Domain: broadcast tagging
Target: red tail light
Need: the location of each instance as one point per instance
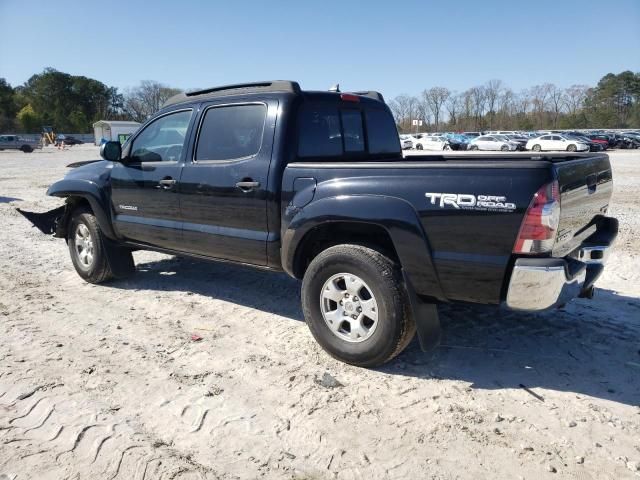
(540, 224)
(349, 97)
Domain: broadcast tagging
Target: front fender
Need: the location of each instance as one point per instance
(395, 215)
(90, 191)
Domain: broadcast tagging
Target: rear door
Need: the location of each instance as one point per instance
(223, 188)
(145, 186)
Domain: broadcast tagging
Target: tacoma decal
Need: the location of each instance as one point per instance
(128, 207)
(468, 201)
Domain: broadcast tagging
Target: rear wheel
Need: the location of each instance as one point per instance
(504, 148)
(356, 306)
(536, 148)
(571, 148)
(473, 147)
(418, 147)
(26, 149)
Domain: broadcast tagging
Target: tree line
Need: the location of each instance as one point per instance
(613, 103)
(73, 103)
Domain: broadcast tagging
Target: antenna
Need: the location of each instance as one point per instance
(335, 88)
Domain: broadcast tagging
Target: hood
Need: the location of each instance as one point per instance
(89, 170)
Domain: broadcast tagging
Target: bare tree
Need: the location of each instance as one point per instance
(492, 91)
(454, 105)
(434, 99)
(143, 101)
(539, 99)
(557, 101)
(575, 96)
(479, 97)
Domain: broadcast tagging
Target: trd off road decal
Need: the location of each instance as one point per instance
(467, 201)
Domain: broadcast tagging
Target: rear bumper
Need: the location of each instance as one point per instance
(543, 283)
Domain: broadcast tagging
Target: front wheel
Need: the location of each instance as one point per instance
(88, 249)
(418, 147)
(571, 148)
(473, 147)
(504, 148)
(26, 149)
(355, 305)
(536, 148)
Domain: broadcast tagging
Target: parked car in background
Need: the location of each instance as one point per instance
(432, 142)
(457, 141)
(628, 140)
(593, 145)
(472, 134)
(16, 142)
(556, 142)
(405, 142)
(68, 140)
(521, 142)
(493, 143)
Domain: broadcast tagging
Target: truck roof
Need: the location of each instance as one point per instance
(280, 86)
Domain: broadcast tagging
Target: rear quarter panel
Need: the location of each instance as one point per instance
(470, 248)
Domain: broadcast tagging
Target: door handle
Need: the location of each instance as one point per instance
(247, 185)
(166, 183)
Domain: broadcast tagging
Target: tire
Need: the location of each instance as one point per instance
(26, 149)
(473, 147)
(504, 148)
(85, 235)
(571, 148)
(371, 342)
(419, 147)
(536, 148)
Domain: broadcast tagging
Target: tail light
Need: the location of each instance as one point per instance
(540, 224)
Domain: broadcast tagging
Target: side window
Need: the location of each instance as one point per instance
(381, 130)
(163, 139)
(320, 134)
(556, 137)
(352, 128)
(231, 132)
(546, 137)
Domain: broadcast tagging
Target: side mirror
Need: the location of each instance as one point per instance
(111, 151)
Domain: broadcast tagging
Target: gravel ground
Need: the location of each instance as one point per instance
(106, 382)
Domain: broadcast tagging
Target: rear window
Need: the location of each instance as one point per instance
(231, 132)
(329, 131)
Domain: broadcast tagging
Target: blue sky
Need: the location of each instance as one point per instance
(394, 47)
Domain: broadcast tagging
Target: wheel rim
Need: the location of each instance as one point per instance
(349, 308)
(536, 148)
(84, 245)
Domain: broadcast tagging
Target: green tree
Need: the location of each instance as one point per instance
(28, 120)
(8, 107)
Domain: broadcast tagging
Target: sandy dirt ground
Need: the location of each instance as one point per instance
(105, 382)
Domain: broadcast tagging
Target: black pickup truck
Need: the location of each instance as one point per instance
(315, 184)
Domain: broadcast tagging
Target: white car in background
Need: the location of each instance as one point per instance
(405, 142)
(431, 142)
(493, 143)
(556, 142)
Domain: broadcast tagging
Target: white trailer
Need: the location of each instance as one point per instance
(113, 130)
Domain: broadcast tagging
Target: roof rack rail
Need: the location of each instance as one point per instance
(371, 94)
(269, 86)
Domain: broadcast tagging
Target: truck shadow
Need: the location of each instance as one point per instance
(588, 348)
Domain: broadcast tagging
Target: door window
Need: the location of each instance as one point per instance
(163, 139)
(231, 132)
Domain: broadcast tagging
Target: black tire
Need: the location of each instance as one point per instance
(473, 147)
(536, 148)
(418, 147)
(99, 269)
(395, 326)
(504, 148)
(26, 149)
(571, 148)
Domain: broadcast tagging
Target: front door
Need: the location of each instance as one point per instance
(145, 185)
(223, 189)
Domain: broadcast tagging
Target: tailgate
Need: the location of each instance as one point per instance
(585, 185)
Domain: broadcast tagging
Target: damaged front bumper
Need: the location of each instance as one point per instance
(49, 223)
